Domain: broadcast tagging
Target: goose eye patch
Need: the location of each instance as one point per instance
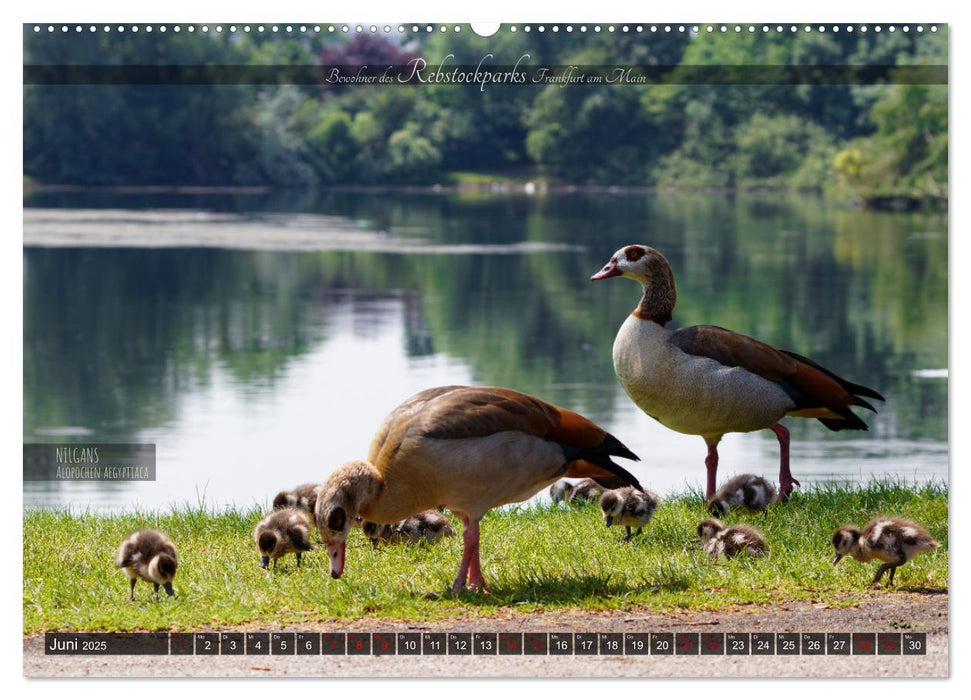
(633, 253)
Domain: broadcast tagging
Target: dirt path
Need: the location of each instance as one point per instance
(879, 612)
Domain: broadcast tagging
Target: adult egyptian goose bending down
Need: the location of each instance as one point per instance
(708, 381)
(468, 449)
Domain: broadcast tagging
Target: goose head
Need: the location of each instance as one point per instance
(353, 487)
(844, 540)
(637, 262)
(647, 266)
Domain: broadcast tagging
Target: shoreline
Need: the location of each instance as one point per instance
(505, 185)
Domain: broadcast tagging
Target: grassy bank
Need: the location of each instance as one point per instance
(537, 558)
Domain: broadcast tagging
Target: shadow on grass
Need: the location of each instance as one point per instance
(920, 590)
(570, 589)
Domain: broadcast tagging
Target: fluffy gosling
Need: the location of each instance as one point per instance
(628, 507)
(428, 526)
(743, 491)
(586, 490)
(150, 556)
(304, 497)
(283, 532)
(894, 541)
(717, 540)
(560, 490)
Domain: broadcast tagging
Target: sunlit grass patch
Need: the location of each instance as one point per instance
(542, 557)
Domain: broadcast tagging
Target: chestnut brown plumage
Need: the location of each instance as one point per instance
(468, 449)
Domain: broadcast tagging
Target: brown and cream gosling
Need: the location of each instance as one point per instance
(586, 490)
(150, 556)
(560, 491)
(894, 541)
(428, 526)
(630, 507)
(563, 490)
(304, 496)
(716, 539)
(743, 491)
(283, 532)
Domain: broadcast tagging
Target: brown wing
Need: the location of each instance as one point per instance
(456, 412)
(816, 391)
(480, 411)
(734, 350)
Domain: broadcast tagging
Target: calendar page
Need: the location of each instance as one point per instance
(442, 350)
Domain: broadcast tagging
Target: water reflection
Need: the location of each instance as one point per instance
(254, 369)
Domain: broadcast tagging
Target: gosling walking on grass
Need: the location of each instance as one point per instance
(894, 541)
(743, 491)
(150, 556)
(718, 540)
(630, 507)
(282, 532)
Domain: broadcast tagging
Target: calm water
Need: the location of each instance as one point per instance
(260, 368)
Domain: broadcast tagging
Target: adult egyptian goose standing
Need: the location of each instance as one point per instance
(468, 449)
(708, 381)
(894, 541)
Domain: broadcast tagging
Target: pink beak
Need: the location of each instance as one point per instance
(609, 270)
(335, 552)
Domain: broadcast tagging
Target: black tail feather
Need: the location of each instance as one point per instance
(621, 477)
(600, 455)
(848, 421)
(855, 389)
(613, 446)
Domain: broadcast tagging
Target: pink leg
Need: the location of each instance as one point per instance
(711, 462)
(470, 556)
(476, 582)
(785, 476)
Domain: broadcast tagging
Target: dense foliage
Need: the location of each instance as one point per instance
(869, 141)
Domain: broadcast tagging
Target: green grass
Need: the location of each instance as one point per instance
(538, 558)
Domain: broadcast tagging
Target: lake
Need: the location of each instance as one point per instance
(259, 339)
